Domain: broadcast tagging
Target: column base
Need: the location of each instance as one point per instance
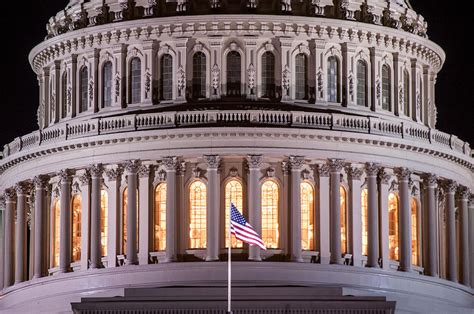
(255, 259)
(212, 258)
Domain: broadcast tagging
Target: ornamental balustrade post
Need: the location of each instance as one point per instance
(132, 167)
(65, 221)
(466, 254)
(96, 172)
(355, 208)
(372, 171)
(450, 189)
(9, 253)
(324, 218)
(296, 163)
(254, 200)
(40, 224)
(145, 213)
(171, 164)
(85, 181)
(405, 234)
(113, 177)
(383, 181)
(431, 231)
(335, 167)
(22, 190)
(213, 201)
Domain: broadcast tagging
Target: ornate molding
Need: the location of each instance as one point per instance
(430, 179)
(450, 186)
(296, 162)
(212, 161)
(40, 181)
(22, 188)
(233, 172)
(403, 174)
(96, 170)
(354, 173)
(85, 178)
(254, 162)
(323, 170)
(285, 167)
(170, 162)
(372, 169)
(114, 173)
(335, 165)
(144, 171)
(132, 166)
(384, 177)
(65, 176)
(464, 193)
(161, 176)
(270, 172)
(9, 195)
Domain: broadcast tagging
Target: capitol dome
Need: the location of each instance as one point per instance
(316, 118)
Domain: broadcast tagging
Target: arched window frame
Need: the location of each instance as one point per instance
(104, 221)
(364, 219)
(226, 208)
(365, 88)
(387, 61)
(83, 104)
(363, 55)
(279, 209)
(188, 211)
(300, 50)
(416, 200)
(105, 59)
(333, 52)
(78, 233)
(233, 47)
(55, 230)
(199, 47)
(159, 185)
(268, 47)
(314, 221)
(345, 216)
(135, 52)
(167, 50)
(397, 226)
(406, 110)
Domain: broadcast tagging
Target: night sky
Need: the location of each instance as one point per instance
(23, 27)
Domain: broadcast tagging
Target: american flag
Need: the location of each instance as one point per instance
(242, 230)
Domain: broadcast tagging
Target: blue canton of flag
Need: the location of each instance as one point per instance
(242, 230)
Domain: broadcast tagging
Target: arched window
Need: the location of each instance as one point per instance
(301, 75)
(135, 80)
(107, 85)
(268, 75)
(76, 228)
(83, 90)
(233, 194)
(343, 202)
(166, 77)
(406, 93)
(199, 75)
(104, 214)
(307, 216)
(234, 72)
(124, 219)
(56, 231)
(362, 90)
(365, 222)
(333, 79)
(393, 226)
(414, 232)
(386, 88)
(64, 95)
(197, 215)
(270, 208)
(159, 218)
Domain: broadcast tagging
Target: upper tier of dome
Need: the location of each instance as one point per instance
(85, 13)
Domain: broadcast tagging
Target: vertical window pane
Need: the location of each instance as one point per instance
(361, 83)
(76, 228)
(414, 232)
(160, 218)
(197, 214)
(270, 202)
(135, 80)
(199, 75)
(234, 72)
(104, 214)
(64, 95)
(56, 231)
(386, 88)
(406, 91)
(393, 226)
(365, 222)
(84, 77)
(268, 75)
(333, 79)
(107, 85)
(301, 75)
(166, 77)
(343, 205)
(307, 216)
(233, 194)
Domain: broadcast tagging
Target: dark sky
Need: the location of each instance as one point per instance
(23, 27)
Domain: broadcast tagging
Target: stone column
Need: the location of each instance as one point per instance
(335, 167)
(431, 231)
(114, 177)
(464, 195)
(354, 175)
(471, 240)
(145, 213)
(65, 222)
(10, 200)
(296, 163)
(171, 163)
(450, 189)
(132, 167)
(404, 215)
(40, 183)
(254, 200)
(383, 181)
(285, 218)
(20, 235)
(213, 201)
(96, 172)
(85, 179)
(372, 215)
(324, 220)
(2, 240)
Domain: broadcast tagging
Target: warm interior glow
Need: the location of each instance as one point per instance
(160, 218)
(56, 231)
(76, 228)
(365, 222)
(307, 216)
(104, 212)
(197, 215)
(414, 232)
(234, 194)
(393, 226)
(270, 200)
(343, 201)
(124, 219)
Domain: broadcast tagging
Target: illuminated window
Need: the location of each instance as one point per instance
(83, 89)
(365, 222)
(76, 228)
(233, 73)
(160, 218)
(393, 226)
(199, 75)
(166, 77)
(270, 200)
(414, 232)
(107, 85)
(135, 80)
(56, 231)
(268, 75)
(124, 219)
(362, 83)
(301, 75)
(197, 215)
(386, 88)
(343, 201)
(406, 91)
(307, 216)
(333, 79)
(104, 212)
(233, 194)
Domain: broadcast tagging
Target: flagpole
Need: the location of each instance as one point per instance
(229, 269)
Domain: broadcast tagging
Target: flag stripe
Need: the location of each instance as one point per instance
(243, 230)
(247, 228)
(246, 234)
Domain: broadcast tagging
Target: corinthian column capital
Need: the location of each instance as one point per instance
(96, 170)
(296, 162)
(403, 174)
(335, 165)
(464, 192)
(65, 175)
(354, 173)
(254, 161)
(170, 163)
(40, 181)
(85, 178)
(212, 161)
(450, 186)
(430, 179)
(132, 166)
(114, 173)
(22, 188)
(372, 169)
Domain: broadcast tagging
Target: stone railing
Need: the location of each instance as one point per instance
(168, 120)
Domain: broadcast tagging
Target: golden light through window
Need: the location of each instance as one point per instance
(365, 225)
(124, 219)
(343, 201)
(76, 228)
(307, 216)
(160, 218)
(270, 200)
(104, 212)
(393, 226)
(414, 232)
(56, 231)
(234, 194)
(197, 215)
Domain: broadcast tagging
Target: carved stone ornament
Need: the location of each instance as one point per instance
(450, 186)
(181, 168)
(91, 91)
(40, 115)
(378, 88)
(170, 163)
(372, 169)
(215, 4)
(464, 193)
(2, 202)
(147, 83)
(69, 97)
(212, 161)
(65, 176)
(22, 188)
(393, 186)
(117, 87)
(403, 174)
(296, 162)
(335, 165)
(85, 178)
(132, 166)
(401, 98)
(233, 172)
(56, 193)
(75, 188)
(354, 173)
(181, 5)
(285, 167)
(161, 176)
(181, 78)
(215, 74)
(306, 175)
(286, 79)
(430, 179)
(196, 173)
(9, 195)
(254, 161)
(114, 173)
(384, 177)
(96, 170)
(415, 191)
(320, 79)
(252, 4)
(251, 72)
(351, 86)
(271, 172)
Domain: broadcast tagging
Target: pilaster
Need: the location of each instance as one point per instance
(150, 76)
(113, 180)
(171, 163)
(404, 214)
(383, 185)
(145, 213)
(213, 201)
(296, 163)
(180, 69)
(85, 181)
(324, 218)
(349, 75)
(355, 208)
(254, 163)
(372, 171)
(119, 77)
